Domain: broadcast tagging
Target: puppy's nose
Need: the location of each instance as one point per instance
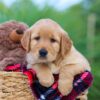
(43, 52)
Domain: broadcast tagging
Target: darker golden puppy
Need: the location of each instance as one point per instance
(51, 51)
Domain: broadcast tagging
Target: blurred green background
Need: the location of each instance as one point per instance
(81, 21)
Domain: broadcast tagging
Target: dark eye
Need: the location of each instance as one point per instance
(37, 38)
(52, 40)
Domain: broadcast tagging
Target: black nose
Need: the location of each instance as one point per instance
(43, 53)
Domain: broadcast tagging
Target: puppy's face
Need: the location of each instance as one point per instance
(43, 42)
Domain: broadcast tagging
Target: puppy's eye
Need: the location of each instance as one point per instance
(37, 38)
(52, 40)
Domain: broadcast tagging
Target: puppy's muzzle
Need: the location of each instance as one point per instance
(43, 53)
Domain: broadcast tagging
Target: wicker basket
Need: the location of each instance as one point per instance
(14, 86)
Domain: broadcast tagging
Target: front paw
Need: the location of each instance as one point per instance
(65, 87)
(46, 82)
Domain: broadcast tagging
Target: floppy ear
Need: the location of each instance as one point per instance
(25, 41)
(66, 44)
(65, 47)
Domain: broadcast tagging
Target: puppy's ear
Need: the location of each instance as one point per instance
(66, 44)
(25, 41)
(65, 47)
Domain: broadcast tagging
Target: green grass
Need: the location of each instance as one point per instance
(94, 91)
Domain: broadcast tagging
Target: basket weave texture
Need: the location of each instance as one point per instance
(14, 86)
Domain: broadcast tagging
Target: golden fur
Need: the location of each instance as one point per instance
(62, 56)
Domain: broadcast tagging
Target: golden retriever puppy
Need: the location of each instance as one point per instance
(51, 51)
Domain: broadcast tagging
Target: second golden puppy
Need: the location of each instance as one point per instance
(51, 51)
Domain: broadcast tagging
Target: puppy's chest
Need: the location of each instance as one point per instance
(54, 69)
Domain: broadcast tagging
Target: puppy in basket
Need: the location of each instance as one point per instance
(51, 51)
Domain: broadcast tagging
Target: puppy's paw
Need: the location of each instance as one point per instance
(82, 98)
(65, 87)
(46, 82)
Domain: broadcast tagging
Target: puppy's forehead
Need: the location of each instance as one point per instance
(46, 22)
(46, 28)
(47, 31)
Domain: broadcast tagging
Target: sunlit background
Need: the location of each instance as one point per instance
(80, 18)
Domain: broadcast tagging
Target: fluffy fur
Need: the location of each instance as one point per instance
(62, 58)
(10, 47)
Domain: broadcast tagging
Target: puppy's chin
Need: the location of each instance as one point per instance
(45, 60)
(33, 59)
(50, 58)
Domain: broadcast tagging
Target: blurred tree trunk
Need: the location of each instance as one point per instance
(91, 27)
(14, 86)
